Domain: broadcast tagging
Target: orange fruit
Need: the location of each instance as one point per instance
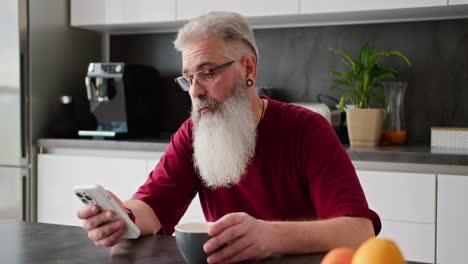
(378, 250)
(341, 255)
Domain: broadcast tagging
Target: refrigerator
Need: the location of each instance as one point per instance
(15, 167)
(41, 58)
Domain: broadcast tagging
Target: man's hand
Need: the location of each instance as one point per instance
(244, 238)
(101, 226)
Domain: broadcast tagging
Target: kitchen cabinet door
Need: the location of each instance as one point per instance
(415, 240)
(452, 219)
(458, 2)
(144, 11)
(187, 9)
(406, 204)
(328, 6)
(400, 196)
(58, 174)
(87, 12)
(109, 12)
(194, 212)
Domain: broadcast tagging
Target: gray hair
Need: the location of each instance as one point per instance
(228, 26)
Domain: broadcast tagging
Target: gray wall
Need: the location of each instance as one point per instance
(295, 63)
(59, 57)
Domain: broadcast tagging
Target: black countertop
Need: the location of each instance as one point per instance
(404, 154)
(410, 154)
(25, 243)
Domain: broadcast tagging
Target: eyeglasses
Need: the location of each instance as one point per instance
(204, 78)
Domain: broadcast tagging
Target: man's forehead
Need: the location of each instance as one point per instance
(200, 54)
(198, 67)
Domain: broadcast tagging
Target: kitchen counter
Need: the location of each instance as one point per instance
(152, 145)
(410, 154)
(25, 242)
(405, 154)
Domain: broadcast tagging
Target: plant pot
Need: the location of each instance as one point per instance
(364, 126)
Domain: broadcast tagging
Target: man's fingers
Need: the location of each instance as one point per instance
(88, 211)
(97, 220)
(231, 233)
(102, 227)
(230, 250)
(104, 231)
(247, 253)
(111, 240)
(225, 222)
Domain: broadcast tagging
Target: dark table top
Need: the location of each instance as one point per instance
(25, 242)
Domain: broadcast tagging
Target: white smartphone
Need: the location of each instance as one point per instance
(95, 194)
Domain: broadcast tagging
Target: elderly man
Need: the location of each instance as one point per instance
(272, 177)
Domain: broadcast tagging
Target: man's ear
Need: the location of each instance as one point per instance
(250, 64)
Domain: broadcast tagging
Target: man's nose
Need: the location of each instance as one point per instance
(196, 90)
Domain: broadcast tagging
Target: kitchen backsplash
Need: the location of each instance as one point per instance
(295, 63)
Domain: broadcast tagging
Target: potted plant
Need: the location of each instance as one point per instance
(363, 90)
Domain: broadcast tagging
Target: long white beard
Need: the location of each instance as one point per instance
(224, 140)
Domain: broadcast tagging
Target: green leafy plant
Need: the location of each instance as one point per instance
(364, 75)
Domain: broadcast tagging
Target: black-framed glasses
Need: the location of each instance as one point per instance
(204, 77)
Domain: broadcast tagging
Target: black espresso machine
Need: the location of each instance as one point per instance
(124, 99)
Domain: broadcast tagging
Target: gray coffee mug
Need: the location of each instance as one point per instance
(190, 238)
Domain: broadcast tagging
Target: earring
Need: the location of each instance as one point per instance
(249, 82)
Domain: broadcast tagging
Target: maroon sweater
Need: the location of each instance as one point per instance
(300, 172)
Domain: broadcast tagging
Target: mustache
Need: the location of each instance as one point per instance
(200, 103)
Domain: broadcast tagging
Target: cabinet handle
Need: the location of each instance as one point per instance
(24, 187)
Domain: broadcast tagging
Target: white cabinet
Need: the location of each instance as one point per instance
(187, 9)
(406, 204)
(458, 2)
(400, 196)
(143, 16)
(108, 12)
(88, 12)
(452, 219)
(58, 174)
(327, 6)
(194, 212)
(416, 240)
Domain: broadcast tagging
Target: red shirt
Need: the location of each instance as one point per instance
(300, 172)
